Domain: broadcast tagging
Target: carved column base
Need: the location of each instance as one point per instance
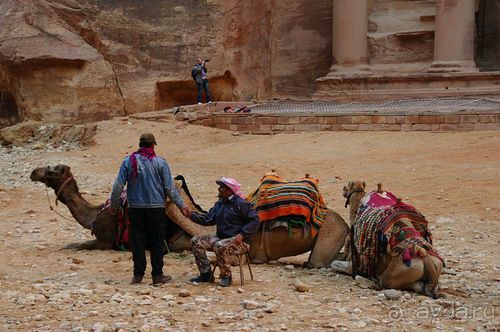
(453, 67)
(354, 70)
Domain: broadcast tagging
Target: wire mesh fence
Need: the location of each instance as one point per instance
(409, 106)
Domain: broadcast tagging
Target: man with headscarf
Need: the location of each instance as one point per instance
(149, 182)
(236, 222)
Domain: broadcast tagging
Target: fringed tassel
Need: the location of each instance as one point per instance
(407, 257)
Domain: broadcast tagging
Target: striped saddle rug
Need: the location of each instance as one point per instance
(298, 203)
(123, 239)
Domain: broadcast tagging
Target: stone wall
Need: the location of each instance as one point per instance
(401, 32)
(292, 123)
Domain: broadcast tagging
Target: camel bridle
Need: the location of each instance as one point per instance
(61, 187)
(348, 198)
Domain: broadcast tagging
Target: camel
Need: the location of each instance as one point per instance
(101, 222)
(421, 275)
(275, 239)
(271, 243)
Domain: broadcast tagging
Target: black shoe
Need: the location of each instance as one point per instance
(225, 281)
(203, 277)
(161, 279)
(137, 279)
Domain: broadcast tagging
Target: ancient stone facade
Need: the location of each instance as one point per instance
(403, 49)
(79, 61)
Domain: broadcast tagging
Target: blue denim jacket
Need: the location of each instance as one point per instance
(151, 186)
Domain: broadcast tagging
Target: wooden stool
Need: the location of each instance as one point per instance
(242, 277)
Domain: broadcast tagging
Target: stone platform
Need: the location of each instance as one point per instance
(433, 114)
(381, 87)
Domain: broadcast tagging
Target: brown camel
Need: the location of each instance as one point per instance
(274, 240)
(101, 222)
(421, 276)
(270, 244)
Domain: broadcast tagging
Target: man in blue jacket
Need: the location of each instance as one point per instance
(149, 182)
(236, 222)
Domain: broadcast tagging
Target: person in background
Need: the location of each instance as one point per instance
(199, 74)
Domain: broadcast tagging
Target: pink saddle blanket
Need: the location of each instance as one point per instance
(379, 201)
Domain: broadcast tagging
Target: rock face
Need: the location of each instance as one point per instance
(79, 61)
(50, 72)
(69, 61)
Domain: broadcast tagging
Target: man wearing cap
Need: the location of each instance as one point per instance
(236, 222)
(149, 182)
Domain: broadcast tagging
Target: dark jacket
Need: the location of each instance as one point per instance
(232, 217)
(197, 73)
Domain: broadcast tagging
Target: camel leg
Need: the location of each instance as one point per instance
(90, 245)
(399, 276)
(421, 277)
(181, 243)
(432, 271)
(330, 239)
(257, 252)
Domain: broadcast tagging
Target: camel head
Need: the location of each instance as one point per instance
(353, 187)
(52, 177)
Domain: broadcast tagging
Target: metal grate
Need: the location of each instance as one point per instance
(434, 105)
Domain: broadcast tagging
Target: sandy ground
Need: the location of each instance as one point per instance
(452, 178)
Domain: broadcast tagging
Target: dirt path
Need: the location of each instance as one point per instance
(452, 178)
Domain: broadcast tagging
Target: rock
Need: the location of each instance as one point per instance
(39, 317)
(77, 261)
(392, 294)
(100, 327)
(251, 305)
(184, 293)
(205, 324)
(270, 309)
(300, 286)
(201, 299)
(289, 267)
(240, 290)
(85, 292)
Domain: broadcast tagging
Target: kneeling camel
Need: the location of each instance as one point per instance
(419, 271)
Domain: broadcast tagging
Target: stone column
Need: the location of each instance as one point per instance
(350, 27)
(454, 36)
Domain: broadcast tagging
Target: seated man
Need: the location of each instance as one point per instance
(236, 222)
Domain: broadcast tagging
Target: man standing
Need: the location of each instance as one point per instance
(148, 182)
(236, 222)
(199, 74)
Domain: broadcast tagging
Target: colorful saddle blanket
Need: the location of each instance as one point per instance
(388, 226)
(298, 203)
(123, 240)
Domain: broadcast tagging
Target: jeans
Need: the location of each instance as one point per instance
(148, 230)
(200, 86)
